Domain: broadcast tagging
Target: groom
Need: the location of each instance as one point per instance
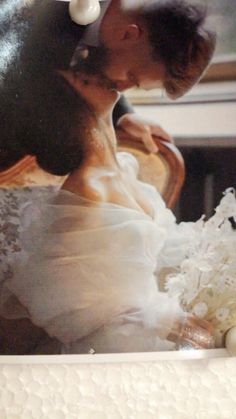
(143, 43)
(147, 44)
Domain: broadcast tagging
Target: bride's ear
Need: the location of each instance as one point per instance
(84, 12)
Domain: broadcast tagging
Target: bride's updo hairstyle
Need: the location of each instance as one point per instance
(40, 113)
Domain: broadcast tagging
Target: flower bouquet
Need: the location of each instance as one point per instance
(205, 280)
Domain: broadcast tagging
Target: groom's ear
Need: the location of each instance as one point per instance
(126, 36)
(131, 34)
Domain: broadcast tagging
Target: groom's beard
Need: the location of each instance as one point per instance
(94, 64)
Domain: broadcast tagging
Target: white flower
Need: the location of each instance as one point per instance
(200, 309)
(206, 278)
(174, 286)
(222, 313)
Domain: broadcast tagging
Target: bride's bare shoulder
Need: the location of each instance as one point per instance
(87, 182)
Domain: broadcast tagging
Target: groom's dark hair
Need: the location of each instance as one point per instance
(181, 40)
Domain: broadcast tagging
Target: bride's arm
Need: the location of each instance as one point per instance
(192, 333)
(131, 332)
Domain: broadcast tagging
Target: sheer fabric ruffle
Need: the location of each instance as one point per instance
(86, 273)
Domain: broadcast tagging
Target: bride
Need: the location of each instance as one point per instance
(87, 272)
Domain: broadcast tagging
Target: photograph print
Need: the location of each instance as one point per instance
(107, 242)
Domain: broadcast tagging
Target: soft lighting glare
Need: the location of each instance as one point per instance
(8, 48)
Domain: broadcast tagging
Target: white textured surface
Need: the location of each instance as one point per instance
(204, 388)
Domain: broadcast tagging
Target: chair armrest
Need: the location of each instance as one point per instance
(165, 170)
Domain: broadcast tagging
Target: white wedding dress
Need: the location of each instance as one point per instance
(87, 272)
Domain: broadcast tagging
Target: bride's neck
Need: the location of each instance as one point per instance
(100, 147)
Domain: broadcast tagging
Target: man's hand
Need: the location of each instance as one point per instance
(143, 130)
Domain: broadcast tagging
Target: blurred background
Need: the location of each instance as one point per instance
(223, 17)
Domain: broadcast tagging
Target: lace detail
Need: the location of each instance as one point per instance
(206, 279)
(97, 262)
(12, 200)
(93, 264)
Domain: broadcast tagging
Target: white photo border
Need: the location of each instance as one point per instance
(131, 357)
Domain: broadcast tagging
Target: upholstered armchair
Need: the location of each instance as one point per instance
(165, 170)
